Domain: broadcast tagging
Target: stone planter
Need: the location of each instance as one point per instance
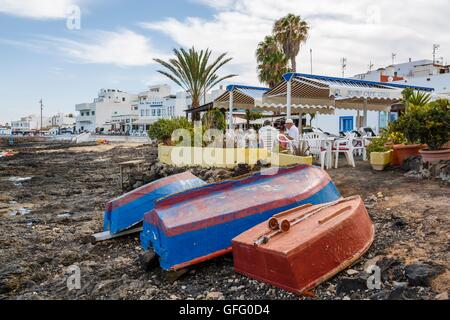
(434, 157)
(380, 160)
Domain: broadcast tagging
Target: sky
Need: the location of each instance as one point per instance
(45, 53)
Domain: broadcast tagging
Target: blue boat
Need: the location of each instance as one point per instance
(199, 224)
(128, 210)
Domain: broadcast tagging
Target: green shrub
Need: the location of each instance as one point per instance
(393, 136)
(163, 129)
(428, 124)
(377, 145)
(409, 124)
(434, 130)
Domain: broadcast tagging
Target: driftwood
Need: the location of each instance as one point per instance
(104, 236)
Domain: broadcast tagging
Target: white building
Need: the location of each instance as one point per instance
(158, 103)
(117, 111)
(63, 122)
(421, 73)
(31, 123)
(5, 130)
(98, 116)
(429, 75)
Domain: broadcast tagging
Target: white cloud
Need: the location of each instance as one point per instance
(37, 9)
(122, 48)
(361, 30)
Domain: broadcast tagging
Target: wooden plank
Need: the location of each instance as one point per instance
(104, 236)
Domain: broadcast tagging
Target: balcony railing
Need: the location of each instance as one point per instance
(85, 119)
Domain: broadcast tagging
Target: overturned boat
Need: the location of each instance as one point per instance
(199, 224)
(301, 248)
(128, 210)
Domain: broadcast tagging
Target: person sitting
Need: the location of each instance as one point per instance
(268, 136)
(293, 133)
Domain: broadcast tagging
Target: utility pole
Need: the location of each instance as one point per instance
(435, 48)
(394, 55)
(344, 66)
(311, 56)
(42, 107)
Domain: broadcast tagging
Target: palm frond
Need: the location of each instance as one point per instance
(193, 71)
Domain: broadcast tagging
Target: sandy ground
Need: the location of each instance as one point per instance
(52, 200)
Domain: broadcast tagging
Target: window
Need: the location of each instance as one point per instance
(82, 114)
(147, 112)
(393, 116)
(346, 124)
(123, 99)
(159, 112)
(142, 112)
(93, 113)
(153, 112)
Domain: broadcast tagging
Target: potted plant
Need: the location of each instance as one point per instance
(380, 155)
(407, 127)
(435, 131)
(394, 141)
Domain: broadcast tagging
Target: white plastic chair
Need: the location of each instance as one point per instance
(345, 146)
(268, 139)
(360, 146)
(316, 146)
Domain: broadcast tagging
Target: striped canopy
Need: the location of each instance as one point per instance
(249, 98)
(244, 97)
(341, 93)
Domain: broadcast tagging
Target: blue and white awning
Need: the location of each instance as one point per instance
(244, 97)
(249, 98)
(342, 93)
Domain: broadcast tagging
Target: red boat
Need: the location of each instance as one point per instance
(299, 249)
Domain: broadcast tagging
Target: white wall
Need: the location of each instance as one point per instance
(183, 103)
(32, 122)
(109, 103)
(330, 123)
(440, 82)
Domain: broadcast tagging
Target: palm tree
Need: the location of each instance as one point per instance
(415, 98)
(291, 31)
(272, 62)
(193, 71)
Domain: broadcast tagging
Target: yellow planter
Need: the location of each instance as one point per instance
(380, 160)
(224, 158)
(210, 157)
(286, 160)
